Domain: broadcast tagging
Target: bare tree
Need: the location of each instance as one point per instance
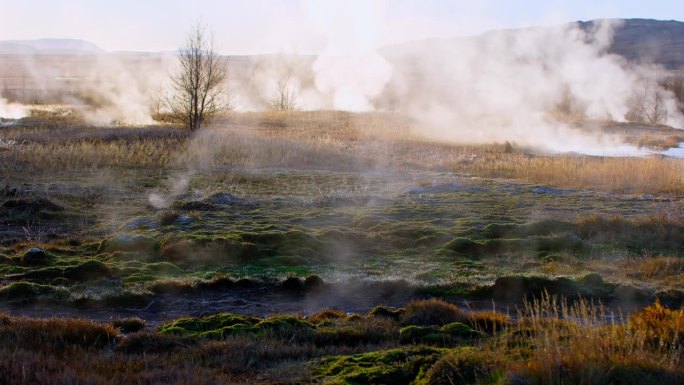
(198, 87)
(675, 84)
(285, 98)
(647, 104)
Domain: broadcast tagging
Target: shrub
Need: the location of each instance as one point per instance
(663, 327)
(129, 325)
(55, 334)
(432, 312)
(326, 314)
(293, 284)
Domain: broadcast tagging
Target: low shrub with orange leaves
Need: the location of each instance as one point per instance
(663, 328)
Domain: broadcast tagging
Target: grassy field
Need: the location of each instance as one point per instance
(257, 251)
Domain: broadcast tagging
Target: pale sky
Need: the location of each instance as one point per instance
(297, 26)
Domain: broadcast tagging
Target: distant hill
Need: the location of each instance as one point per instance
(638, 40)
(49, 47)
(646, 40)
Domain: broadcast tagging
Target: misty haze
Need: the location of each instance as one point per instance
(327, 192)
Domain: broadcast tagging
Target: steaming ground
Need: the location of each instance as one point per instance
(355, 199)
(529, 86)
(370, 225)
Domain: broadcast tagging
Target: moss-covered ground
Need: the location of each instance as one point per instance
(257, 220)
(426, 342)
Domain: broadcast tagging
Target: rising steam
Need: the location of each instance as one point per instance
(353, 79)
(532, 86)
(12, 110)
(104, 88)
(523, 85)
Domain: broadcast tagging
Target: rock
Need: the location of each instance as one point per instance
(591, 279)
(30, 206)
(141, 223)
(195, 206)
(184, 220)
(514, 288)
(313, 282)
(464, 246)
(545, 190)
(130, 242)
(671, 298)
(293, 284)
(516, 379)
(35, 256)
(223, 199)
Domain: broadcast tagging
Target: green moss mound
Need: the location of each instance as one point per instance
(197, 326)
(395, 366)
(222, 325)
(166, 268)
(27, 291)
(382, 311)
(514, 288)
(464, 366)
(287, 327)
(464, 246)
(421, 335)
(449, 333)
(87, 271)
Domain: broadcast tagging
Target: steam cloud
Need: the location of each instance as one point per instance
(122, 89)
(350, 70)
(103, 88)
(353, 80)
(531, 86)
(12, 110)
(522, 86)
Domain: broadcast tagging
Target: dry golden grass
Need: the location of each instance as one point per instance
(323, 139)
(432, 312)
(650, 175)
(395, 140)
(659, 142)
(554, 342)
(657, 268)
(549, 342)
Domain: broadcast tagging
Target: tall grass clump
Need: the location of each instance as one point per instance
(556, 342)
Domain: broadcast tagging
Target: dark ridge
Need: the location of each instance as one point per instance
(647, 41)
